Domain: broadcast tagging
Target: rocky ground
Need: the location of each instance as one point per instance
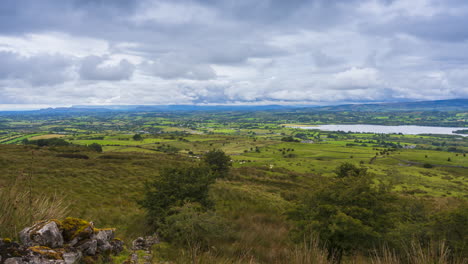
(66, 241)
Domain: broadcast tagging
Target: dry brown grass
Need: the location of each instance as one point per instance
(20, 208)
(48, 136)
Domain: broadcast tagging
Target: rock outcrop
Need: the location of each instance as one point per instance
(60, 242)
(145, 243)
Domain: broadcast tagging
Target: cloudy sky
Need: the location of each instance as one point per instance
(70, 52)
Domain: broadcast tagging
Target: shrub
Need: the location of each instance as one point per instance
(96, 147)
(137, 137)
(218, 162)
(72, 156)
(55, 142)
(428, 165)
(348, 214)
(174, 187)
(192, 227)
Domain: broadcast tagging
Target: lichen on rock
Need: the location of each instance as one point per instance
(47, 252)
(45, 233)
(66, 241)
(76, 228)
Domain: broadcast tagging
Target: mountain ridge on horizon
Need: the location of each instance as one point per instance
(434, 105)
(449, 104)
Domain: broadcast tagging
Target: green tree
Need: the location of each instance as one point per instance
(350, 170)
(174, 187)
(218, 162)
(191, 226)
(452, 226)
(347, 214)
(96, 147)
(137, 137)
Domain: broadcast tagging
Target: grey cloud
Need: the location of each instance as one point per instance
(92, 68)
(177, 67)
(37, 70)
(216, 51)
(323, 60)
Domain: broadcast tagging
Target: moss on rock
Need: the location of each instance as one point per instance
(47, 252)
(76, 228)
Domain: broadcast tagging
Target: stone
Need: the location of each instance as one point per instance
(72, 257)
(45, 252)
(139, 244)
(152, 240)
(9, 249)
(69, 241)
(46, 233)
(88, 247)
(14, 261)
(145, 243)
(117, 246)
(104, 238)
(75, 230)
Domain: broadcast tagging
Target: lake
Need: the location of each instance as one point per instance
(407, 130)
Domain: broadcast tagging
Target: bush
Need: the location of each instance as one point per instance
(350, 170)
(174, 187)
(72, 156)
(348, 214)
(55, 142)
(137, 137)
(218, 162)
(428, 165)
(193, 227)
(289, 139)
(96, 147)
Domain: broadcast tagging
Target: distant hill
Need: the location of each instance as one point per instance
(169, 108)
(439, 105)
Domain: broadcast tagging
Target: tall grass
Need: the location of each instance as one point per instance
(416, 253)
(19, 208)
(310, 252)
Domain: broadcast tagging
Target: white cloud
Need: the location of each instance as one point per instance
(159, 52)
(95, 68)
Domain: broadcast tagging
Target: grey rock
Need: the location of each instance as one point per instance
(139, 244)
(104, 238)
(152, 240)
(41, 260)
(14, 261)
(88, 247)
(117, 246)
(145, 243)
(72, 257)
(43, 234)
(104, 235)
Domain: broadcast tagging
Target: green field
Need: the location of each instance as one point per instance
(271, 169)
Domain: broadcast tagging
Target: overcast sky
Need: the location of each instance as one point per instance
(69, 52)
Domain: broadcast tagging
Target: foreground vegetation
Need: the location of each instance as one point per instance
(282, 195)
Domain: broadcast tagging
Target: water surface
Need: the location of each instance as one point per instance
(406, 130)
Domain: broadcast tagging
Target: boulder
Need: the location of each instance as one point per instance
(117, 246)
(75, 229)
(72, 257)
(145, 243)
(104, 238)
(60, 242)
(46, 233)
(88, 247)
(139, 244)
(16, 260)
